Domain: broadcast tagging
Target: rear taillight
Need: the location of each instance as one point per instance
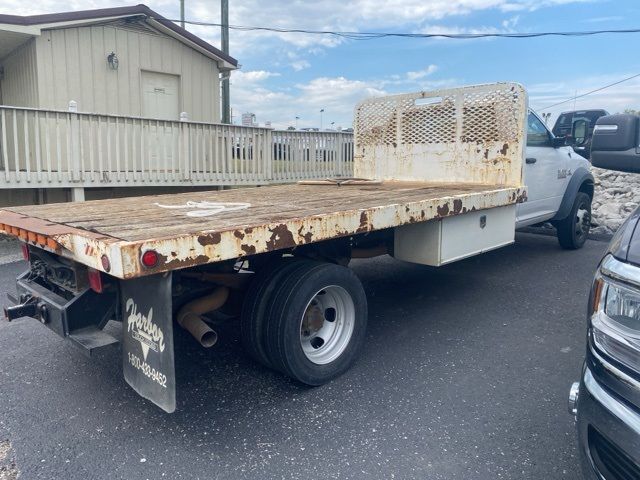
(150, 258)
(106, 264)
(25, 251)
(95, 280)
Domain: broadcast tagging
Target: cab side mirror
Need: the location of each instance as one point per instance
(616, 143)
(579, 132)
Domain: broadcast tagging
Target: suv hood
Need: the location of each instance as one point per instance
(625, 244)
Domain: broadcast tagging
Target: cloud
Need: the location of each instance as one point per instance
(506, 26)
(337, 15)
(253, 76)
(532, 5)
(413, 76)
(613, 99)
(614, 18)
(337, 96)
(299, 65)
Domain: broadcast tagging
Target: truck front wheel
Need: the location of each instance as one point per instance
(574, 230)
(315, 324)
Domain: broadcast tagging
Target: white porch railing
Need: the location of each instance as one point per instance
(52, 148)
(310, 155)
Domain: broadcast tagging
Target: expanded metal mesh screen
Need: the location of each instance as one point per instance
(468, 121)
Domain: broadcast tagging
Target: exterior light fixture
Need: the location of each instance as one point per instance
(112, 60)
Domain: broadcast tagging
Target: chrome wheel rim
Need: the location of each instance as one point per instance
(583, 222)
(327, 325)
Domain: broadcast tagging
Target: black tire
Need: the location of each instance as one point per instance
(574, 230)
(291, 304)
(255, 302)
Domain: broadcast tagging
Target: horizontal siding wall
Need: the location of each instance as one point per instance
(19, 85)
(72, 65)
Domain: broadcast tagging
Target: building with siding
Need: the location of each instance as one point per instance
(127, 61)
(162, 70)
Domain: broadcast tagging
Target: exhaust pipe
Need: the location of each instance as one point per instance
(190, 316)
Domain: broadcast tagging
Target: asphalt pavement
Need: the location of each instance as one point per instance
(464, 375)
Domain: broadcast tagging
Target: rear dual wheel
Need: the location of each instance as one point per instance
(306, 319)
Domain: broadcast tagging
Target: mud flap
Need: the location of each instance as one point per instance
(147, 347)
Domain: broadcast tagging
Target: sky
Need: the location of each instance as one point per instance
(284, 76)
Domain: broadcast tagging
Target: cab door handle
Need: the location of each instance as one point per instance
(531, 160)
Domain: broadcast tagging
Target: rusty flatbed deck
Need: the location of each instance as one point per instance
(203, 227)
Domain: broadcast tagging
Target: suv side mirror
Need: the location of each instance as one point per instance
(579, 132)
(616, 143)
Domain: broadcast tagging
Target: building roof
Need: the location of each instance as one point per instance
(52, 20)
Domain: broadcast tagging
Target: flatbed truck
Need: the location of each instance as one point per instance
(438, 177)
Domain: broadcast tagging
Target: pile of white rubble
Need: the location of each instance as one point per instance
(616, 196)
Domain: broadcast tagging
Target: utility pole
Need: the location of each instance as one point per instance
(226, 98)
(321, 112)
(182, 13)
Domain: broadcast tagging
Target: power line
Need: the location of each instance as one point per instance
(455, 36)
(372, 35)
(592, 91)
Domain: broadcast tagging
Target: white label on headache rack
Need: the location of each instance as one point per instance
(206, 209)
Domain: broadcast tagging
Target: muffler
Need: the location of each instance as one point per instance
(190, 316)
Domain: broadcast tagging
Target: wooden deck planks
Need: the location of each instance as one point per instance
(278, 217)
(139, 218)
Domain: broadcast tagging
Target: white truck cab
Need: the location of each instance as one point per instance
(557, 180)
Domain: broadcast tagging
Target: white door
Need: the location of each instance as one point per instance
(161, 101)
(160, 96)
(545, 174)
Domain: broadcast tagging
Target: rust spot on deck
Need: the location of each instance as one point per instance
(457, 206)
(248, 249)
(522, 197)
(307, 236)
(210, 239)
(281, 237)
(504, 149)
(176, 263)
(443, 210)
(238, 234)
(364, 222)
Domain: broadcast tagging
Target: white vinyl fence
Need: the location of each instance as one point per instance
(51, 148)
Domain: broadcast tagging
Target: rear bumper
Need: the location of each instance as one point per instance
(608, 432)
(147, 337)
(79, 318)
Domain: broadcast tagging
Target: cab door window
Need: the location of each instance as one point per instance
(537, 133)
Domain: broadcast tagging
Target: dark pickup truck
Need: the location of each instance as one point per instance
(606, 401)
(563, 127)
